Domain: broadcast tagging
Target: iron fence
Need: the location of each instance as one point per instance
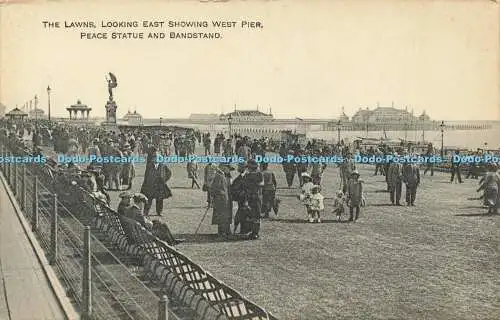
(130, 271)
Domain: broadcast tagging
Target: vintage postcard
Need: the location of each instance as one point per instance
(281, 159)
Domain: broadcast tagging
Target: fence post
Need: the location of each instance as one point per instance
(7, 169)
(23, 190)
(34, 217)
(2, 166)
(163, 308)
(87, 276)
(53, 232)
(14, 182)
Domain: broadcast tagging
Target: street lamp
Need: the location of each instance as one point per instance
(406, 130)
(367, 126)
(160, 121)
(423, 130)
(48, 97)
(338, 131)
(229, 121)
(442, 125)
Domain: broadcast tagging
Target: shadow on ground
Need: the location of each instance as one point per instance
(484, 214)
(306, 221)
(210, 238)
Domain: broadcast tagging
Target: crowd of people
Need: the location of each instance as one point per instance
(251, 191)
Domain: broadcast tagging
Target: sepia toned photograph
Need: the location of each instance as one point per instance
(250, 160)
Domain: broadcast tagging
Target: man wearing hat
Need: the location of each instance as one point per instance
(411, 178)
(222, 203)
(208, 176)
(125, 203)
(127, 174)
(238, 195)
(395, 181)
(154, 186)
(253, 183)
(354, 195)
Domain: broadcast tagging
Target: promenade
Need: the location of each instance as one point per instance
(24, 289)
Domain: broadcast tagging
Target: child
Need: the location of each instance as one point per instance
(338, 205)
(192, 171)
(354, 195)
(317, 204)
(306, 192)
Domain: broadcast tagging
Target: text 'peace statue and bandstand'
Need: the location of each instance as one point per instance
(152, 29)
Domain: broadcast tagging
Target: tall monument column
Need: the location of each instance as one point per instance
(110, 123)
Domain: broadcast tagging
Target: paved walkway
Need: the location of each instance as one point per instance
(24, 290)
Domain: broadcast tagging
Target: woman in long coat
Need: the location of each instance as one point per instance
(222, 202)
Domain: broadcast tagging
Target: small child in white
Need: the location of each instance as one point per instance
(317, 205)
(339, 205)
(306, 193)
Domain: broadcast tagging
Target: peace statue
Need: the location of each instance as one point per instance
(111, 85)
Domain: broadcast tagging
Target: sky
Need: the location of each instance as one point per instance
(309, 59)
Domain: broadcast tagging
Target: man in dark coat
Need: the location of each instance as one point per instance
(238, 194)
(411, 178)
(222, 203)
(155, 185)
(456, 169)
(395, 181)
(254, 181)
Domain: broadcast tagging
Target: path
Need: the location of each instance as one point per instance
(24, 290)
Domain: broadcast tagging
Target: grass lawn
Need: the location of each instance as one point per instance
(437, 260)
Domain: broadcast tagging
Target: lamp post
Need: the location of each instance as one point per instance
(338, 131)
(442, 125)
(48, 102)
(229, 121)
(160, 121)
(406, 129)
(366, 120)
(423, 130)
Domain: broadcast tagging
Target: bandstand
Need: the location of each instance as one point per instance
(81, 108)
(16, 115)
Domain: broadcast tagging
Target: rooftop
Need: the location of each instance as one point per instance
(248, 113)
(16, 112)
(78, 105)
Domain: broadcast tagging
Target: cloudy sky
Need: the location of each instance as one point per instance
(310, 58)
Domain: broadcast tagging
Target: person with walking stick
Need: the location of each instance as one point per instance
(221, 201)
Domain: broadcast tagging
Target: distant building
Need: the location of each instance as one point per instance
(384, 115)
(343, 117)
(133, 118)
(37, 113)
(247, 116)
(2, 110)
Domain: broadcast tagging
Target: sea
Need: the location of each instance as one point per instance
(488, 139)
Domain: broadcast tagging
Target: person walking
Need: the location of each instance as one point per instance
(456, 167)
(411, 178)
(253, 184)
(354, 195)
(395, 182)
(268, 190)
(222, 203)
(154, 186)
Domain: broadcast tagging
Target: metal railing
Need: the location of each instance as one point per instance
(98, 283)
(113, 290)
